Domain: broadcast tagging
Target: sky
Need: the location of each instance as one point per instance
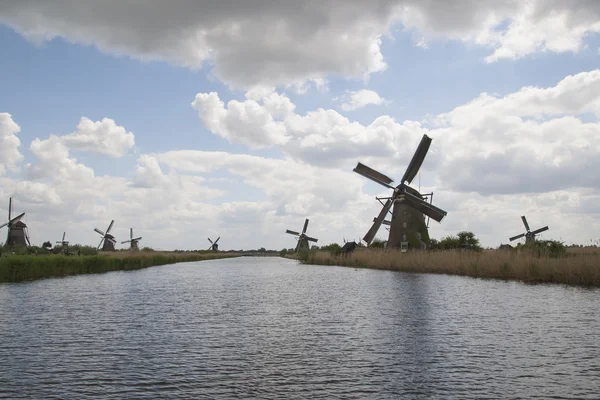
(239, 120)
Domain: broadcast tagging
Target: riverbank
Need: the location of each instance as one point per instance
(29, 267)
(578, 267)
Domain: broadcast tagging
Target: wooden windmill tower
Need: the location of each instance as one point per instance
(529, 235)
(108, 239)
(302, 238)
(213, 245)
(407, 225)
(133, 243)
(17, 230)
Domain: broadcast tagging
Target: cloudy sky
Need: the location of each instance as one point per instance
(196, 119)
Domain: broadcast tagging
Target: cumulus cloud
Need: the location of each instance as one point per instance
(290, 43)
(353, 100)
(102, 137)
(246, 122)
(9, 144)
(531, 140)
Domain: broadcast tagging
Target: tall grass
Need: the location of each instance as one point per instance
(575, 268)
(28, 267)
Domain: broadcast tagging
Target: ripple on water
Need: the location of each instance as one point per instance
(269, 328)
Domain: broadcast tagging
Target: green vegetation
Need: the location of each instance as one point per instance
(17, 268)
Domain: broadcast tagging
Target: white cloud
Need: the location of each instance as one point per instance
(245, 122)
(9, 144)
(103, 137)
(513, 29)
(354, 100)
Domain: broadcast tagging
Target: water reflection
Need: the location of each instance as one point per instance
(270, 328)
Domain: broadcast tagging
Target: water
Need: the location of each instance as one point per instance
(270, 328)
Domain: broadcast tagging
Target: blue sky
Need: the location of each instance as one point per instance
(49, 85)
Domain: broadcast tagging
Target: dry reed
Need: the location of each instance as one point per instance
(577, 268)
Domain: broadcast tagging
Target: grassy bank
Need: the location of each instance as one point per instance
(29, 267)
(579, 267)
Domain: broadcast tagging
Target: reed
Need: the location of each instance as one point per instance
(576, 268)
(29, 267)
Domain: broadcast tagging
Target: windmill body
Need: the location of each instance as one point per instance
(108, 241)
(408, 207)
(64, 243)
(214, 246)
(302, 238)
(17, 230)
(133, 242)
(528, 235)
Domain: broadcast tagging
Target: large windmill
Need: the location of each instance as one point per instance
(213, 245)
(107, 238)
(302, 238)
(408, 224)
(133, 243)
(17, 230)
(529, 235)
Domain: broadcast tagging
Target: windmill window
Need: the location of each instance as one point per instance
(404, 238)
(404, 224)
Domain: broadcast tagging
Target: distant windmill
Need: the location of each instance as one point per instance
(107, 238)
(64, 243)
(133, 243)
(529, 235)
(213, 245)
(302, 238)
(17, 230)
(409, 206)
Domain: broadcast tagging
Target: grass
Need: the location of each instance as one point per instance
(17, 268)
(577, 267)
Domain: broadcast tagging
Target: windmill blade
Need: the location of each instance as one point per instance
(101, 240)
(4, 224)
(385, 222)
(27, 238)
(110, 226)
(137, 239)
(305, 226)
(211, 242)
(516, 237)
(113, 241)
(215, 240)
(373, 175)
(540, 230)
(64, 233)
(525, 222)
(417, 160)
(16, 219)
(378, 221)
(430, 210)
(311, 239)
(99, 231)
(9, 207)
(125, 241)
(292, 232)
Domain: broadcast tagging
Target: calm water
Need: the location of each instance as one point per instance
(269, 328)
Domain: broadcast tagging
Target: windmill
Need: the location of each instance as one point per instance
(529, 235)
(213, 245)
(64, 243)
(408, 220)
(107, 238)
(302, 238)
(17, 230)
(133, 243)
